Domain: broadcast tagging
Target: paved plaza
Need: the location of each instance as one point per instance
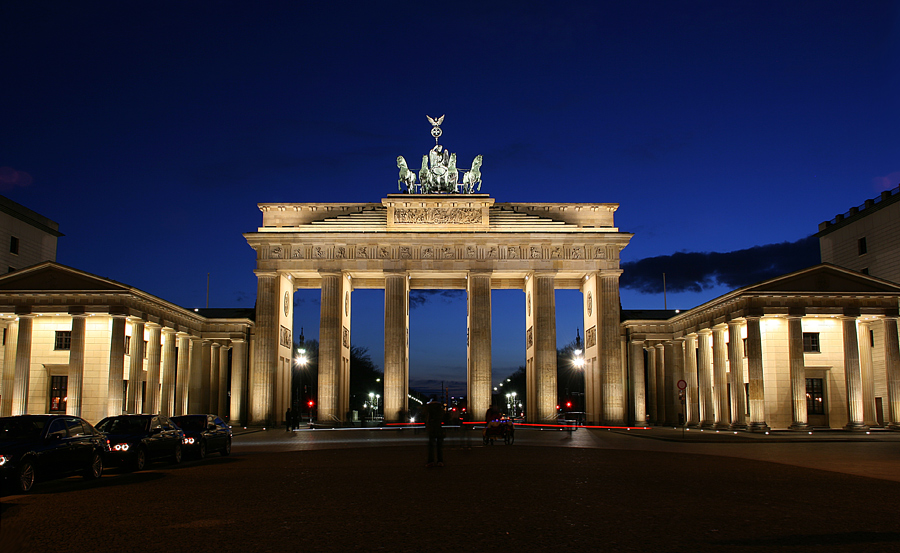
(587, 490)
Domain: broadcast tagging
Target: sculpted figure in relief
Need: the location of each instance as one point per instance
(361, 252)
(383, 252)
(512, 252)
(428, 253)
(298, 253)
(405, 252)
(492, 253)
(340, 252)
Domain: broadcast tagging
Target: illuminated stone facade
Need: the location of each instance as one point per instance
(447, 241)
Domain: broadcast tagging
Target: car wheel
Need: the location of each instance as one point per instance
(95, 470)
(176, 457)
(25, 477)
(202, 451)
(140, 459)
(227, 449)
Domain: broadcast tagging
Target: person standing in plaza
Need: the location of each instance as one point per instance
(288, 419)
(434, 420)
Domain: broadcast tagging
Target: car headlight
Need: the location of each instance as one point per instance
(121, 447)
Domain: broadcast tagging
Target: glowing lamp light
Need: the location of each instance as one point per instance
(121, 447)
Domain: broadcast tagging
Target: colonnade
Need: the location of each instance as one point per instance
(715, 396)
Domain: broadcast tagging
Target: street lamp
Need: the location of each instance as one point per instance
(301, 362)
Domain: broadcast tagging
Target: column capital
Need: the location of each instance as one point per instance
(77, 311)
(261, 274)
(167, 330)
(610, 273)
(704, 331)
(796, 312)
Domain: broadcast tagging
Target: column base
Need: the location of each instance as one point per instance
(799, 426)
(738, 426)
(721, 426)
(893, 426)
(758, 427)
(856, 427)
(707, 425)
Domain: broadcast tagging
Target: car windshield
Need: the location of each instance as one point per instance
(18, 428)
(123, 425)
(191, 423)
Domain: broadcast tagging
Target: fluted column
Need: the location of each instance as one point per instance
(195, 386)
(651, 385)
(183, 372)
(330, 349)
(614, 404)
(755, 370)
(720, 378)
(853, 375)
(638, 393)
(167, 392)
(479, 328)
(671, 396)
(9, 369)
(154, 357)
(677, 357)
(798, 373)
(396, 354)
(213, 400)
(116, 401)
(704, 380)
(75, 388)
(135, 366)
(23, 365)
(661, 384)
(205, 367)
(892, 368)
(692, 399)
(223, 383)
(265, 352)
(736, 376)
(543, 375)
(238, 381)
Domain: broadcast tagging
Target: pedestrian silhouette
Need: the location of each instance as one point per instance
(434, 419)
(288, 419)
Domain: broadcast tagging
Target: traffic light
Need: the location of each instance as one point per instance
(310, 403)
(568, 405)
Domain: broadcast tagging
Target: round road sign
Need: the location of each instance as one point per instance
(682, 384)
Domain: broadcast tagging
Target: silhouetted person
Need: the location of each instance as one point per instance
(288, 419)
(434, 418)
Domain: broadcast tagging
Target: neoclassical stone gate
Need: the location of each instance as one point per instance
(437, 241)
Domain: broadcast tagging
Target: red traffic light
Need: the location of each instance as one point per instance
(568, 404)
(310, 403)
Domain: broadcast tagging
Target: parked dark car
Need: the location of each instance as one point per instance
(42, 447)
(135, 440)
(204, 434)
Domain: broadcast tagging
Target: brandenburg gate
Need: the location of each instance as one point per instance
(437, 234)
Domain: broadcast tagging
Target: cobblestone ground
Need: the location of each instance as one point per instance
(500, 498)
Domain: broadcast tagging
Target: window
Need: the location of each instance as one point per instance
(864, 270)
(146, 349)
(127, 345)
(14, 245)
(744, 340)
(811, 342)
(815, 396)
(63, 340)
(57, 429)
(10, 269)
(872, 338)
(861, 244)
(58, 391)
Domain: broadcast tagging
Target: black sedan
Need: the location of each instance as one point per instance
(205, 434)
(43, 447)
(135, 440)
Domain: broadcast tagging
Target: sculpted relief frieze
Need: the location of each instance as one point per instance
(438, 216)
(497, 252)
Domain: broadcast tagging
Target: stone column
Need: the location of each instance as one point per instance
(853, 374)
(651, 385)
(736, 376)
(692, 399)
(135, 367)
(396, 354)
(610, 349)
(183, 372)
(238, 410)
(720, 378)
(223, 383)
(330, 349)
(75, 388)
(677, 374)
(154, 358)
(704, 380)
(265, 351)
(23, 365)
(205, 375)
(671, 396)
(479, 342)
(892, 368)
(9, 368)
(755, 369)
(167, 393)
(198, 378)
(116, 366)
(661, 391)
(798, 372)
(214, 378)
(544, 348)
(637, 383)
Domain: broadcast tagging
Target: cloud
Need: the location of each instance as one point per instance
(698, 271)
(10, 178)
(418, 298)
(887, 182)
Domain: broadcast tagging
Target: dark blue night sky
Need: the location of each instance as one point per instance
(150, 131)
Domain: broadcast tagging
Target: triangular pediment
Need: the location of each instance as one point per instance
(50, 276)
(825, 278)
